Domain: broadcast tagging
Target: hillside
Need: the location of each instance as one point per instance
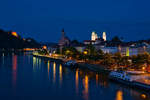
(11, 40)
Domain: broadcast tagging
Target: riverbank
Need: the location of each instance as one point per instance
(92, 67)
(96, 68)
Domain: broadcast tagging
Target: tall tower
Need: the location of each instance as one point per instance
(94, 36)
(63, 33)
(104, 36)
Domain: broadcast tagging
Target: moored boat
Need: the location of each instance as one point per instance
(71, 63)
(136, 79)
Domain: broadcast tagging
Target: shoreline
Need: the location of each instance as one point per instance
(98, 69)
(91, 67)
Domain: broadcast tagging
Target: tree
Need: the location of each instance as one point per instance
(70, 52)
(91, 53)
(100, 54)
(140, 60)
(125, 61)
(116, 39)
(118, 59)
(108, 61)
(75, 42)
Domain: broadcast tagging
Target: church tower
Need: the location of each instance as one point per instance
(94, 36)
(104, 36)
(63, 33)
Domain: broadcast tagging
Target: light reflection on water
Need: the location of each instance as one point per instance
(86, 87)
(60, 74)
(48, 68)
(54, 72)
(14, 61)
(119, 95)
(47, 78)
(77, 81)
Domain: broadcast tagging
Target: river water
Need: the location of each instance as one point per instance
(24, 77)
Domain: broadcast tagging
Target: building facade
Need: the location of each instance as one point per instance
(64, 40)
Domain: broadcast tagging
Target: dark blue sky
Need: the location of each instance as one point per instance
(44, 19)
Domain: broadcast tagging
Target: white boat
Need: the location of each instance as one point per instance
(131, 78)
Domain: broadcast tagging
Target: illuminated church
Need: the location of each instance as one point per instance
(95, 39)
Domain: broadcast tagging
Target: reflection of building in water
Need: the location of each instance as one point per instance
(119, 95)
(138, 95)
(48, 66)
(14, 61)
(86, 86)
(96, 79)
(3, 55)
(54, 72)
(77, 80)
(60, 73)
(39, 64)
(36, 63)
(103, 80)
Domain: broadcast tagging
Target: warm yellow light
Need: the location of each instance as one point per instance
(14, 34)
(77, 80)
(54, 72)
(119, 95)
(86, 86)
(143, 96)
(60, 73)
(143, 68)
(96, 78)
(86, 83)
(28, 49)
(44, 47)
(85, 52)
(67, 51)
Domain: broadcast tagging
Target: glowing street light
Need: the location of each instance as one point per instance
(85, 52)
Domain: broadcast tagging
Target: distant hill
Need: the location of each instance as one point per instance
(11, 40)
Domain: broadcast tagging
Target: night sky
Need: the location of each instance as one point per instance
(44, 19)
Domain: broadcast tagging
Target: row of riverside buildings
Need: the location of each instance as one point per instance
(125, 48)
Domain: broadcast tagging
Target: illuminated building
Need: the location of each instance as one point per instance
(94, 36)
(104, 36)
(64, 40)
(44, 47)
(14, 34)
(95, 39)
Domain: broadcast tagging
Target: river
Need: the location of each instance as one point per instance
(24, 77)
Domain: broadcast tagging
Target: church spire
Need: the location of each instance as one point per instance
(63, 32)
(104, 36)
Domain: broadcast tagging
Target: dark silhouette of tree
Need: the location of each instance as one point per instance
(116, 39)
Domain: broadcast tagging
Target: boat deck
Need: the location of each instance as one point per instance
(144, 80)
